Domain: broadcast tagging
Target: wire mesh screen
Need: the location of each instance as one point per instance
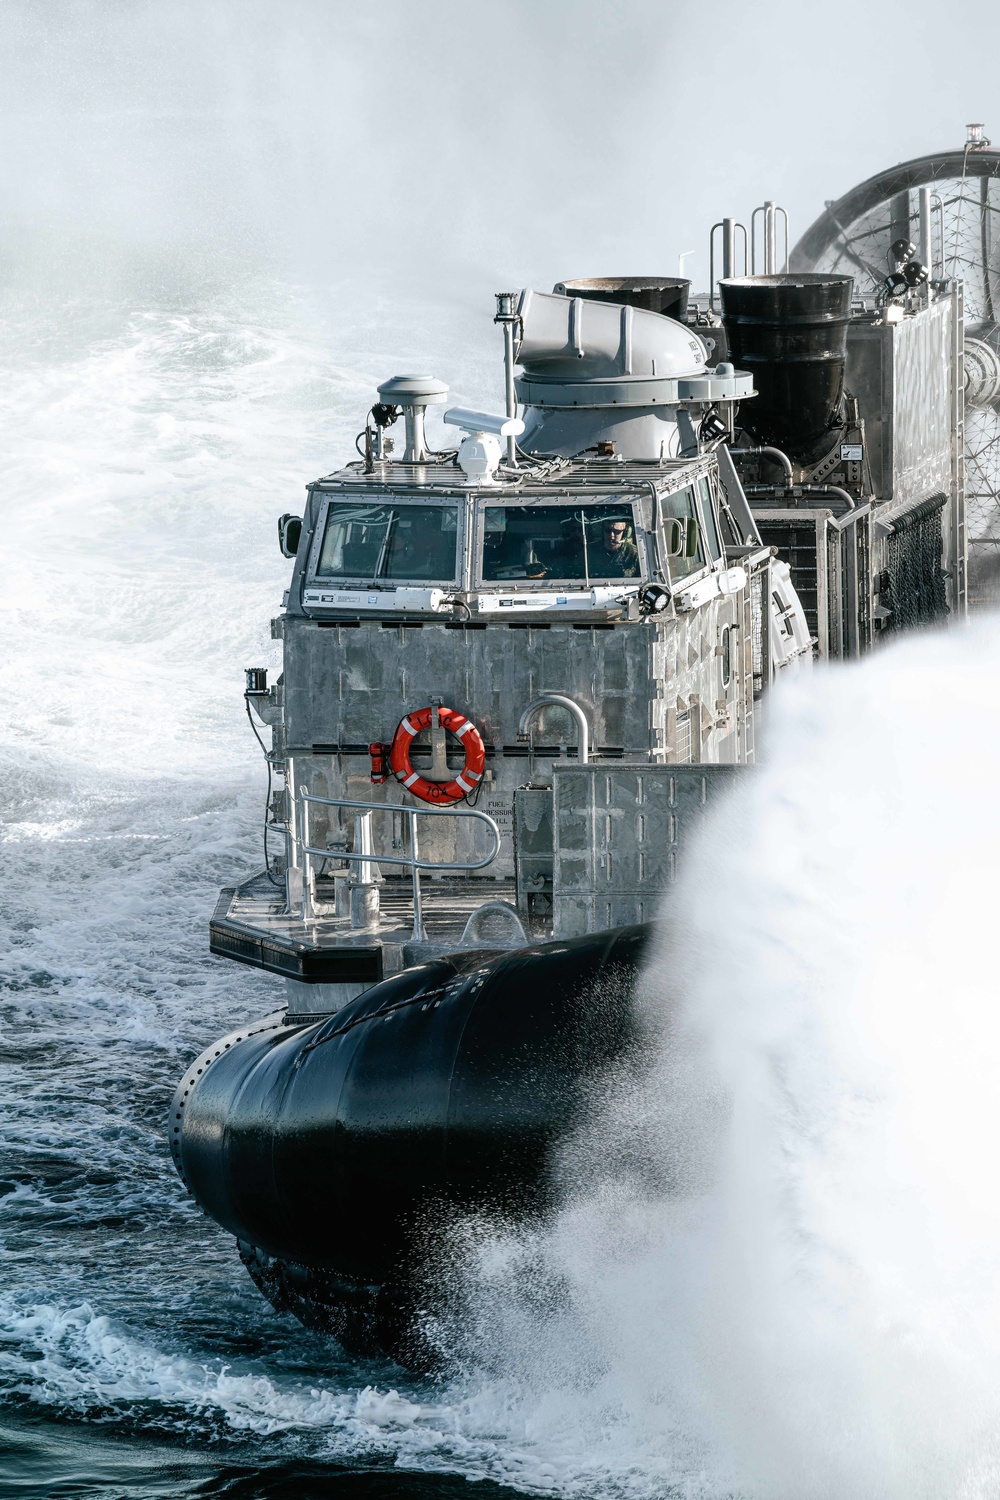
(863, 565)
(913, 583)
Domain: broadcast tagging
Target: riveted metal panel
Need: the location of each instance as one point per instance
(620, 833)
(351, 685)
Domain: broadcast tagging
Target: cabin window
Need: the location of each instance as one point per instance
(561, 543)
(680, 506)
(708, 515)
(395, 542)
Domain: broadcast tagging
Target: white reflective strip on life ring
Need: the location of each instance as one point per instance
(404, 723)
(463, 784)
(464, 729)
(411, 779)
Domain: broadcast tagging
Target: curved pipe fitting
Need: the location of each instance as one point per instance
(775, 453)
(795, 490)
(830, 489)
(571, 707)
(473, 937)
(575, 339)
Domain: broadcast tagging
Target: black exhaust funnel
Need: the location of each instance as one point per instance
(790, 332)
(660, 294)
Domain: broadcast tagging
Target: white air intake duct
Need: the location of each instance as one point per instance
(573, 339)
(600, 373)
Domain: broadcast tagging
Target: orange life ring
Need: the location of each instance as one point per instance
(401, 766)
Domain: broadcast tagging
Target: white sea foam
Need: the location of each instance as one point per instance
(74, 1360)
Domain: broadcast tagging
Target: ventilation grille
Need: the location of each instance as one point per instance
(796, 543)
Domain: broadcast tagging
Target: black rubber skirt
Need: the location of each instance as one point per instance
(330, 1150)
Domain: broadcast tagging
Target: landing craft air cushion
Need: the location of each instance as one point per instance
(514, 673)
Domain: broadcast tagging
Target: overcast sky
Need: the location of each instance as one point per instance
(521, 140)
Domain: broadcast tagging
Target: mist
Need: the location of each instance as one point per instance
(446, 146)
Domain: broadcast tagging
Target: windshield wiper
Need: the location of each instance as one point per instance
(383, 552)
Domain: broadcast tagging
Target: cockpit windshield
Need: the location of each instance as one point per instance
(412, 542)
(680, 506)
(563, 543)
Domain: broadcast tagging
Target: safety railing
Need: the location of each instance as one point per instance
(366, 855)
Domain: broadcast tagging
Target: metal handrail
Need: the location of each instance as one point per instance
(414, 863)
(558, 700)
(729, 228)
(769, 249)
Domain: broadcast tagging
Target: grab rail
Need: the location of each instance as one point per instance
(413, 862)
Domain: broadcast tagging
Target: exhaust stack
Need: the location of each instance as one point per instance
(790, 332)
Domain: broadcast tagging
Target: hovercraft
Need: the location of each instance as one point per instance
(515, 672)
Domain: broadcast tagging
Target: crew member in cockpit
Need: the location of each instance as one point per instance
(618, 556)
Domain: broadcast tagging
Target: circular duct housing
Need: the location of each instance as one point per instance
(982, 373)
(854, 236)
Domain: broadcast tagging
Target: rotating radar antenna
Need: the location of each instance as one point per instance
(946, 210)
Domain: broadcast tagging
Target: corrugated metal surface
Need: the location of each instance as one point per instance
(903, 375)
(921, 407)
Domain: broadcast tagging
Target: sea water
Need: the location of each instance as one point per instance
(775, 1272)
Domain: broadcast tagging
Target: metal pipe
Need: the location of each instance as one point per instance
(768, 452)
(413, 862)
(506, 317)
(509, 395)
(795, 490)
(367, 873)
(830, 489)
(770, 211)
(294, 873)
(412, 812)
(305, 836)
(418, 934)
(729, 229)
(416, 444)
(925, 251)
(364, 899)
(728, 247)
(571, 707)
(937, 203)
(470, 937)
(770, 240)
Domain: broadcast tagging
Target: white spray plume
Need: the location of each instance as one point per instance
(795, 1290)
